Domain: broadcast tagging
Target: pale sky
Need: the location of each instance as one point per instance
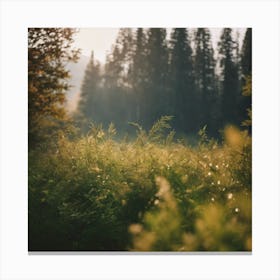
(100, 40)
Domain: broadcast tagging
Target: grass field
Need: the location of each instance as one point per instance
(154, 193)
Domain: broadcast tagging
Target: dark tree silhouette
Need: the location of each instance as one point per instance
(230, 78)
(156, 95)
(183, 99)
(206, 80)
(139, 73)
(246, 64)
(88, 104)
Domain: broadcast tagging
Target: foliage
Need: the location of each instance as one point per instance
(148, 75)
(247, 91)
(94, 193)
(150, 193)
(246, 56)
(118, 63)
(87, 104)
(246, 63)
(207, 94)
(49, 49)
(183, 101)
(138, 73)
(156, 93)
(230, 78)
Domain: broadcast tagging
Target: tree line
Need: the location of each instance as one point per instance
(147, 76)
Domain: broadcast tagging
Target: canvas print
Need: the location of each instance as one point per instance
(140, 139)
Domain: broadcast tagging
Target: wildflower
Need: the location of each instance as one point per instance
(209, 174)
(219, 182)
(236, 210)
(230, 195)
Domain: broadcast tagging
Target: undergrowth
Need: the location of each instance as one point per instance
(150, 194)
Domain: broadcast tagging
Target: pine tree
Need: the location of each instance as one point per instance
(138, 73)
(156, 95)
(230, 78)
(183, 101)
(206, 81)
(246, 64)
(49, 50)
(117, 99)
(119, 62)
(88, 106)
(246, 59)
(113, 68)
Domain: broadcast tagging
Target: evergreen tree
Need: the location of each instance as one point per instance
(49, 50)
(246, 64)
(230, 78)
(206, 81)
(117, 99)
(246, 59)
(88, 107)
(156, 95)
(119, 61)
(138, 73)
(113, 68)
(183, 101)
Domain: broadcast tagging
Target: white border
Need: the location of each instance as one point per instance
(16, 16)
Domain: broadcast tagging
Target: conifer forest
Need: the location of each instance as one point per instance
(156, 154)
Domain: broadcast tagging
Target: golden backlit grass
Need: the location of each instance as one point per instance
(150, 194)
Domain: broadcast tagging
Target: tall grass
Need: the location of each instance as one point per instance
(149, 194)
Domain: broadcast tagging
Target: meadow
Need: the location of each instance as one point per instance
(151, 193)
